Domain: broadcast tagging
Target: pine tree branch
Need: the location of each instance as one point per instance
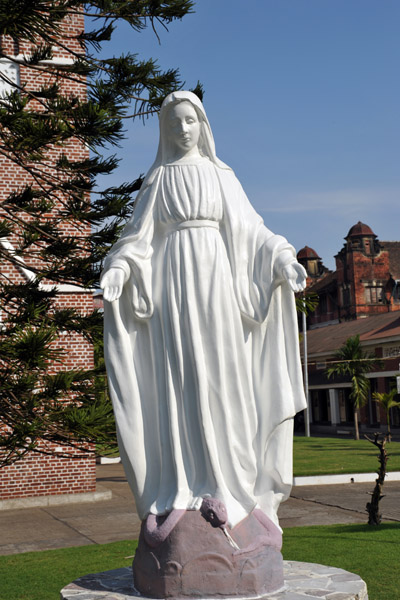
(36, 128)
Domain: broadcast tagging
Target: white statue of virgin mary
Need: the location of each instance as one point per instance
(201, 337)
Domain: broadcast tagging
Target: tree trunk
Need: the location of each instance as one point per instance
(374, 516)
(356, 432)
(388, 422)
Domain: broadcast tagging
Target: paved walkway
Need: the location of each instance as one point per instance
(44, 528)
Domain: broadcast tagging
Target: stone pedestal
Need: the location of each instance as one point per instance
(188, 555)
(303, 581)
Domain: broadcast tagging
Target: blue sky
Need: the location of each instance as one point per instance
(303, 99)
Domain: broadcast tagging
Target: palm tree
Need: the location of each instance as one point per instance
(351, 360)
(387, 400)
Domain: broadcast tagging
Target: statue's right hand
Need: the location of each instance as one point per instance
(112, 283)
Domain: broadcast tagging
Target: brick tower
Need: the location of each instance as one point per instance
(363, 271)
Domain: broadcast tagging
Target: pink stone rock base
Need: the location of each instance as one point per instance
(198, 560)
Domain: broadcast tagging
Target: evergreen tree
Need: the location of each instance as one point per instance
(59, 217)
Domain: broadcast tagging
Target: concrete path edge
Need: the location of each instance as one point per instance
(56, 500)
(343, 478)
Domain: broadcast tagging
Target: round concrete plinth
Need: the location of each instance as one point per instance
(303, 581)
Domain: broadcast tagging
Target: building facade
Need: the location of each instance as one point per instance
(361, 297)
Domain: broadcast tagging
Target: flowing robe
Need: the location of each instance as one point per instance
(201, 348)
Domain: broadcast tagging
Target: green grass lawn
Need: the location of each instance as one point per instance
(41, 575)
(327, 456)
(370, 552)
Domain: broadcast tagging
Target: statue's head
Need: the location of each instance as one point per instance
(184, 127)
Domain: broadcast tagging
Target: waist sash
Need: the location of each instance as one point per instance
(192, 224)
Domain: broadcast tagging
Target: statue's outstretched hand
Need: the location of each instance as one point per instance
(112, 283)
(296, 276)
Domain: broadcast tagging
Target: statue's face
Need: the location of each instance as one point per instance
(183, 127)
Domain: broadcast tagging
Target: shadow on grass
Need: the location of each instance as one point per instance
(382, 534)
(336, 448)
(366, 527)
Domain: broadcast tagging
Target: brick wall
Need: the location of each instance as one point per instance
(40, 475)
(37, 474)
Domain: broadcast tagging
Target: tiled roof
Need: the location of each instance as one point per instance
(326, 280)
(332, 337)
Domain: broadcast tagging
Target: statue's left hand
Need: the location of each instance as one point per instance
(112, 283)
(296, 276)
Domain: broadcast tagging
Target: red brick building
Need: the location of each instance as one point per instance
(366, 280)
(361, 297)
(39, 476)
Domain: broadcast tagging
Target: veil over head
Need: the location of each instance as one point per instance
(206, 142)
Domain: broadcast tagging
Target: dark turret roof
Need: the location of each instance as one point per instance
(307, 252)
(359, 230)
